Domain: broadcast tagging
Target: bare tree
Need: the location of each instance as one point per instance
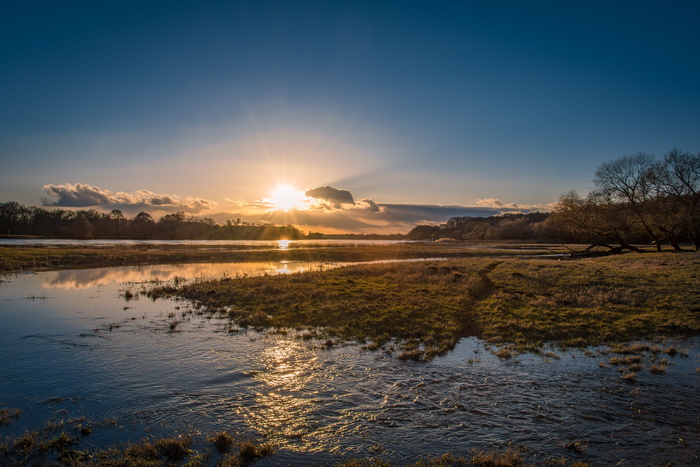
(630, 180)
(593, 221)
(678, 180)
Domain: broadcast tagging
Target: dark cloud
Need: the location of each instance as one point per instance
(81, 195)
(336, 197)
(370, 205)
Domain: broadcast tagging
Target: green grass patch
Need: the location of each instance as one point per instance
(594, 301)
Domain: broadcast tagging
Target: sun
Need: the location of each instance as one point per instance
(286, 197)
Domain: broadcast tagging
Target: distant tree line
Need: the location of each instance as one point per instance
(637, 199)
(17, 219)
(518, 226)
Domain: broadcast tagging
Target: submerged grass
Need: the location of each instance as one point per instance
(423, 309)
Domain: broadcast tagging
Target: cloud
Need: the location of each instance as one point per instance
(241, 203)
(489, 202)
(334, 196)
(335, 210)
(369, 205)
(81, 195)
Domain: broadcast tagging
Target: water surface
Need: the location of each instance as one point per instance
(72, 345)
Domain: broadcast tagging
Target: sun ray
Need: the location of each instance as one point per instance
(285, 197)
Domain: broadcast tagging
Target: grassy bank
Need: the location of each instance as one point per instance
(37, 258)
(420, 310)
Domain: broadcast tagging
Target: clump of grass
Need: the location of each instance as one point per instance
(250, 452)
(629, 360)
(222, 441)
(61, 442)
(26, 442)
(9, 415)
(143, 450)
(577, 446)
(510, 458)
(174, 449)
(505, 353)
(629, 376)
(85, 429)
(624, 349)
(415, 355)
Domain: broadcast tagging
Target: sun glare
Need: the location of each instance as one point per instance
(286, 197)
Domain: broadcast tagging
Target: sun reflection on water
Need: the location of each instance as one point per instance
(285, 409)
(284, 244)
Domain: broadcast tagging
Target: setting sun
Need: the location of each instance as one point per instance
(286, 197)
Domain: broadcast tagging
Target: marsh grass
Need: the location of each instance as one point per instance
(517, 304)
(9, 415)
(597, 301)
(222, 441)
(47, 447)
(174, 449)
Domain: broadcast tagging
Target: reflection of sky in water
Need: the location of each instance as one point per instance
(85, 278)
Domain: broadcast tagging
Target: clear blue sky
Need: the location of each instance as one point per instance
(440, 106)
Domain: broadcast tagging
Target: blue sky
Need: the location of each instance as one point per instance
(445, 107)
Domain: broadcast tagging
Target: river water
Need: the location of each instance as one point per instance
(72, 345)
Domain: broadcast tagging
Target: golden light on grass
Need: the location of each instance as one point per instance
(285, 198)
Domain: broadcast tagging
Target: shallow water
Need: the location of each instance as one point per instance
(281, 244)
(71, 342)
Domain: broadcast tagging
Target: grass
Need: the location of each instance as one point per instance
(421, 310)
(40, 448)
(9, 415)
(610, 301)
(419, 307)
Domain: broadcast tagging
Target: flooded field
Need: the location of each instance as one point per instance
(84, 344)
